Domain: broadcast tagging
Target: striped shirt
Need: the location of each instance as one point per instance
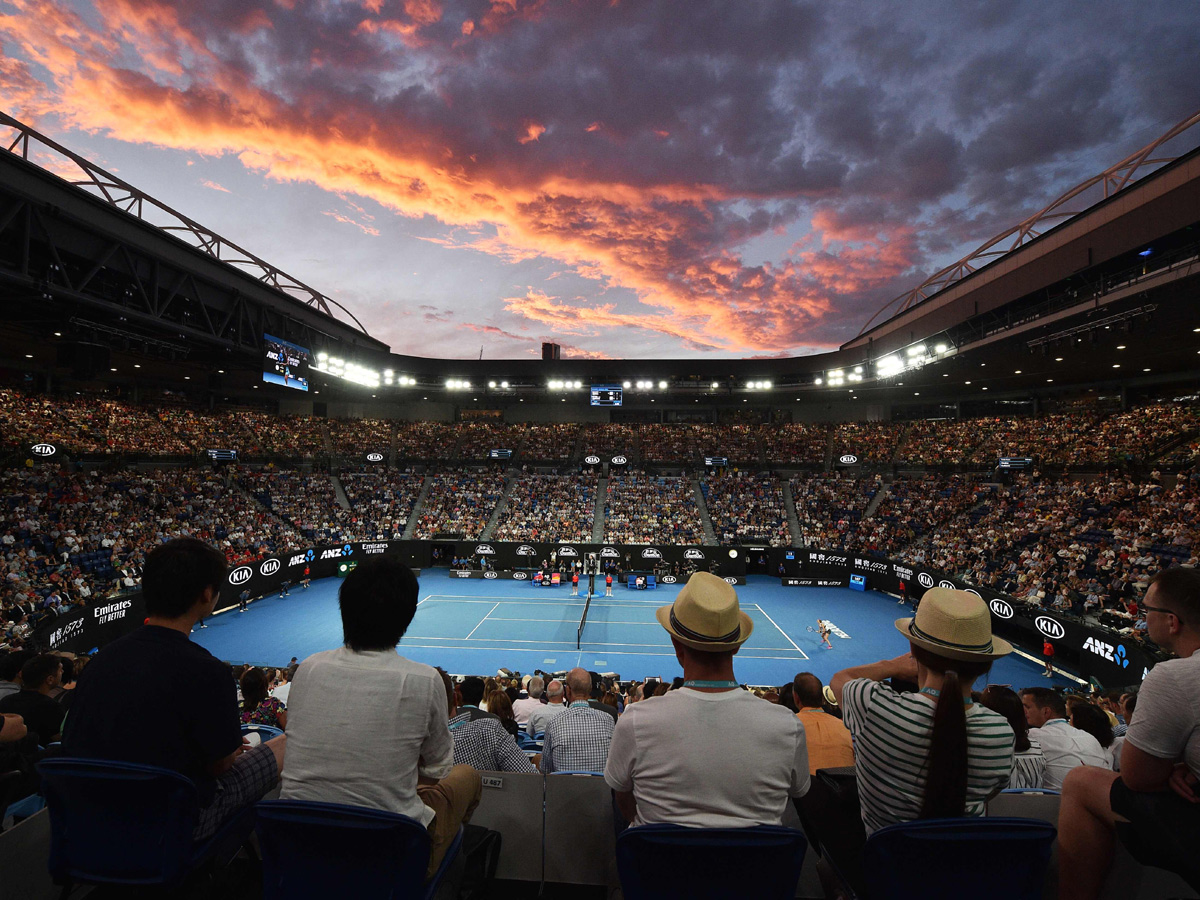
(1029, 767)
(891, 746)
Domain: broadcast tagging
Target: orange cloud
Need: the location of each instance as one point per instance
(216, 187)
(533, 131)
(364, 228)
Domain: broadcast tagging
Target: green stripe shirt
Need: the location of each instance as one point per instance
(891, 748)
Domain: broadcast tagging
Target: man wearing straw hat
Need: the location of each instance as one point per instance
(709, 755)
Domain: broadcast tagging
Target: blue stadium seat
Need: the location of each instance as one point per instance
(669, 862)
(126, 823)
(940, 859)
(329, 849)
(264, 732)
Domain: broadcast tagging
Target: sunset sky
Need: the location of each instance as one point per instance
(628, 179)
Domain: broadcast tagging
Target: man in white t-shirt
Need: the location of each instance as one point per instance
(709, 755)
(369, 727)
(524, 706)
(1153, 805)
(1064, 746)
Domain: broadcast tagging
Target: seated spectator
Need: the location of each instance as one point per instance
(540, 717)
(280, 691)
(367, 726)
(578, 738)
(1153, 805)
(483, 743)
(827, 737)
(1029, 763)
(1090, 718)
(708, 755)
(258, 708)
(472, 691)
(193, 715)
(956, 753)
(42, 715)
(1064, 747)
(526, 705)
(10, 670)
(501, 707)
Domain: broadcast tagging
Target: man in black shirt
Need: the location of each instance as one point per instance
(125, 710)
(42, 715)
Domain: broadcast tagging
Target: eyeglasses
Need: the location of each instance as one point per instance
(1162, 609)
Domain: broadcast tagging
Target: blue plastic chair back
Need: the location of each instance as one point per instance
(120, 823)
(264, 732)
(669, 862)
(325, 850)
(945, 859)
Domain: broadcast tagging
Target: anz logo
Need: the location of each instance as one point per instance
(240, 575)
(1051, 628)
(1108, 651)
(336, 552)
(1001, 608)
(651, 553)
(526, 550)
(693, 554)
(519, 576)
(269, 567)
(43, 449)
(925, 580)
(668, 579)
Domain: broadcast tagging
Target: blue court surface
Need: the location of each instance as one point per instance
(476, 627)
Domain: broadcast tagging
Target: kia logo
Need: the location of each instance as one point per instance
(592, 460)
(374, 457)
(484, 550)
(240, 575)
(975, 592)
(619, 460)
(269, 567)
(946, 584)
(729, 579)
(44, 449)
(489, 574)
(526, 550)
(848, 460)
(1051, 628)
(668, 579)
(925, 580)
(1001, 608)
(518, 576)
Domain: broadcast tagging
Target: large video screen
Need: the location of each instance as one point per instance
(285, 363)
(607, 395)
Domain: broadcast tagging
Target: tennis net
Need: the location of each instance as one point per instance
(582, 621)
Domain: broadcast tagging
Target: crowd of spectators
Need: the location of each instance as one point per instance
(549, 442)
(477, 439)
(651, 509)
(796, 444)
(356, 437)
(610, 438)
(747, 508)
(383, 503)
(549, 508)
(426, 440)
(671, 443)
(459, 503)
(829, 510)
(873, 442)
(914, 506)
(309, 502)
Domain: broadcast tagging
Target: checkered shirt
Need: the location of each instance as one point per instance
(485, 744)
(577, 740)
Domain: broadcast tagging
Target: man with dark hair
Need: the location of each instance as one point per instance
(1063, 745)
(10, 670)
(368, 727)
(472, 689)
(827, 737)
(193, 716)
(1153, 805)
(482, 743)
(681, 758)
(33, 703)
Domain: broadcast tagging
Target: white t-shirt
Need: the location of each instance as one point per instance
(357, 723)
(523, 707)
(723, 760)
(1167, 723)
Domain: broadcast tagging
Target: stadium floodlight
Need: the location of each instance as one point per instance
(504, 385)
(715, 385)
(491, 384)
(818, 381)
(858, 370)
(626, 385)
(766, 385)
(388, 373)
(941, 348)
(578, 385)
(918, 350)
(322, 355)
(662, 385)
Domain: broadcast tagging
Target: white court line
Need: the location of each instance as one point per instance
(565, 649)
(481, 621)
(781, 631)
(590, 621)
(666, 647)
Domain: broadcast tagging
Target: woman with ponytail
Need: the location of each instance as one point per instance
(935, 753)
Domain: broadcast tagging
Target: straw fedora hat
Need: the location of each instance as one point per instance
(954, 624)
(706, 616)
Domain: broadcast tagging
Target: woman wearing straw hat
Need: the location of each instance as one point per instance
(930, 754)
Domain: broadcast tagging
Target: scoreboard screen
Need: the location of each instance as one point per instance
(1015, 462)
(716, 461)
(607, 395)
(500, 454)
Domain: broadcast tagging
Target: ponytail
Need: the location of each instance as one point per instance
(946, 778)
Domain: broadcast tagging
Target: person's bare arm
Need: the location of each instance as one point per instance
(12, 728)
(1142, 772)
(904, 667)
(626, 804)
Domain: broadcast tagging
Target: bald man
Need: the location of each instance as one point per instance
(578, 738)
